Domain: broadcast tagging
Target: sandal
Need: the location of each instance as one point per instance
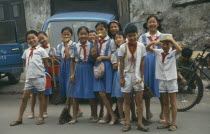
(143, 128)
(45, 115)
(31, 116)
(40, 122)
(163, 126)
(162, 121)
(15, 123)
(80, 114)
(73, 121)
(111, 123)
(102, 122)
(122, 121)
(126, 128)
(172, 128)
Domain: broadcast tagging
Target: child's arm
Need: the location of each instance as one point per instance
(122, 80)
(178, 48)
(72, 70)
(45, 61)
(100, 58)
(142, 69)
(182, 78)
(115, 66)
(148, 46)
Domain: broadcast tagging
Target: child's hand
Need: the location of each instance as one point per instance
(65, 40)
(156, 43)
(97, 37)
(122, 81)
(72, 79)
(99, 59)
(184, 81)
(94, 52)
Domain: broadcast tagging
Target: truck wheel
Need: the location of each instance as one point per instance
(13, 79)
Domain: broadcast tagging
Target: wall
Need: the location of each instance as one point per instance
(36, 12)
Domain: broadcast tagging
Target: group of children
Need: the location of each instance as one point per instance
(129, 63)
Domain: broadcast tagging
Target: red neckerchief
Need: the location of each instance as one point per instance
(31, 54)
(132, 51)
(101, 42)
(84, 49)
(45, 47)
(164, 56)
(150, 38)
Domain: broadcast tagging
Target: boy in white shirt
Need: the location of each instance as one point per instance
(35, 61)
(131, 75)
(166, 73)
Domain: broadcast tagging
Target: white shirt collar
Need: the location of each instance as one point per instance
(149, 35)
(106, 38)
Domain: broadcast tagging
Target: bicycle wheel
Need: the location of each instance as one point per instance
(189, 94)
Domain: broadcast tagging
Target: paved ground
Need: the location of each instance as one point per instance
(194, 121)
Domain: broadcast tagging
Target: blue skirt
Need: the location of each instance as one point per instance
(83, 86)
(116, 89)
(149, 73)
(46, 91)
(64, 82)
(104, 83)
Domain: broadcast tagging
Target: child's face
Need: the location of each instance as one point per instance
(91, 36)
(119, 40)
(114, 28)
(166, 45)
(132, 37)
(152, 24)
(32, 40)
(101, 30)
(43, 39)
(66, 35)
(83, 36)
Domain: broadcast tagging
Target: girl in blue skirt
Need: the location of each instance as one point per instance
(152, 24)
(83, 78)
(102, 53)
(43, 40)
(63, 52)
(119, 39)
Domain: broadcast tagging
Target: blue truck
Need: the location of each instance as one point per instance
(12, 44)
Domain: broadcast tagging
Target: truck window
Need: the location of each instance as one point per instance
(1, 12)
(16, 9)
(55, 29)
(7, 32)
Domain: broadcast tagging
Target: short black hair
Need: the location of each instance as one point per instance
(120, 33)
(81, 28)
(131, 29)
(187, 52)
(92, 31)
(42, 32)
(31, 32)
(68, 29)
(104, 24)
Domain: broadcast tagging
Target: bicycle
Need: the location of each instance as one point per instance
(191, 93)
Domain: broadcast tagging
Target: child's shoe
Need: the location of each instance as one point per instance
(31, 116)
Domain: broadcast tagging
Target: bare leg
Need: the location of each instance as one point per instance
(93, 105)
(161, 104)
(107, 104)
(46, 103)
(79, 111)
(127, 103)
(139, 105)
(166, 107)
(41, 104)
(101, 113)
(33, 102)
(69, 104)
(174, 107)
(133, 109)
(75, 108)
(120, 107)
(148, 110)
(25, 97)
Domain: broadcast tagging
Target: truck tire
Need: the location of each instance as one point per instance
(13, 79)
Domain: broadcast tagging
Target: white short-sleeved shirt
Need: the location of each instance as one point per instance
(114, 59)
(34, 64)
(129, 66)
(48, 50)
(113, 46)
(78, 45)
(167, 70)
(60, 52)
(103, 48)
(158, 34)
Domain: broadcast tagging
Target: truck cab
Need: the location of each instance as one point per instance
(12, 44)
(74, 20)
